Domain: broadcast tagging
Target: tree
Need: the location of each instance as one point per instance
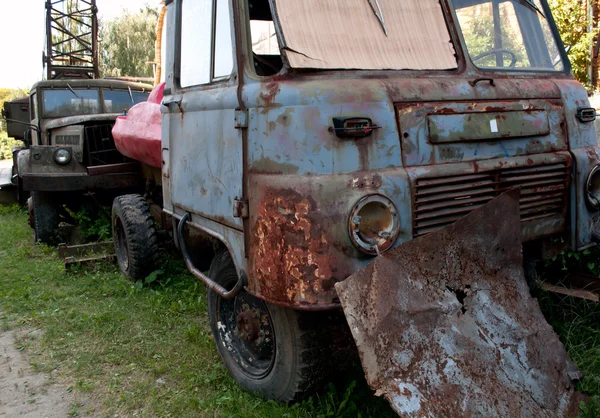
(573, 22)
(127, 44)
(6, 143)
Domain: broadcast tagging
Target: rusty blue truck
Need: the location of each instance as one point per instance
(306, 138)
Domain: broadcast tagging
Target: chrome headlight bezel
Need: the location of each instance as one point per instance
(62, 156)
(381, 212)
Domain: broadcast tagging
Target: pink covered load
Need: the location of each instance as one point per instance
(137, 135)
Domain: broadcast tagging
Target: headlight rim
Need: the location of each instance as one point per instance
(56, 158)
(353, 230)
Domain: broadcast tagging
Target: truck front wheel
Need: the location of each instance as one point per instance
(43, 217)
(275, 352)
(134, 235)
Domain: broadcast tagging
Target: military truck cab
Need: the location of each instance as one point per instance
(71, 150)
(307, 137)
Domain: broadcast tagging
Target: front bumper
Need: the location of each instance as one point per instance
(79, 182)
(39, 172)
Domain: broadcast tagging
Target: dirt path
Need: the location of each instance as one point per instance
(25, 393)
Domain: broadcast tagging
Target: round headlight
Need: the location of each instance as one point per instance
(592, 187)
(62, 156)
(374, 224)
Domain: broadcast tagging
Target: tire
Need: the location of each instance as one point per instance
(284, 356)
(44, 217)
(134, 236)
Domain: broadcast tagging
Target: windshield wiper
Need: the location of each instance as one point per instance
(531, 4)
(73, 91)
(378, 15)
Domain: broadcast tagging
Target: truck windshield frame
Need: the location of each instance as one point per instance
(510, 35)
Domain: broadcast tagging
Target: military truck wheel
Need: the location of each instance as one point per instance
(277, 353)
(43, 214)
(134, 235)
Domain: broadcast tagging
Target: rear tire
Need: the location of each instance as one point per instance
(134, 236)
(275, 352)
(44, 216)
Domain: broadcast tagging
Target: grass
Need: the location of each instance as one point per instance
(143, 351)
(147, 351)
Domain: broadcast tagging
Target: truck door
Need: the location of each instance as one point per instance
(204, 148)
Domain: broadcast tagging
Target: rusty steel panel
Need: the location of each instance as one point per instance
(86, 253)
(506, 137)
(462, 127)
(446, 327)
(294, 260)
(299, 230)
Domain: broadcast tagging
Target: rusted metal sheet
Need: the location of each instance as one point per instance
(452, 132)
(579, 285)
(462, 127)
(301, 230)
(446, 327)
(293, 260)
(86, 253)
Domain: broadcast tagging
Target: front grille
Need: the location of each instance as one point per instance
(100, 146)
(440, 201)
(67, 140)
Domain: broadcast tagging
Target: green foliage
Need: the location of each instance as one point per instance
(127, 44)
(591, 409)
(573, 21)
(586, 261)
(93, 226)
(6, 143)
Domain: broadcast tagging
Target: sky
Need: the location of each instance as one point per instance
(22, 36)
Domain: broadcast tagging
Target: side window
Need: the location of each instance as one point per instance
(265, 47)
(199, 62)
(223, 47)
(196, 31)
(33, 106)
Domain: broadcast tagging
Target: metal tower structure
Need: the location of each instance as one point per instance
(71, 39)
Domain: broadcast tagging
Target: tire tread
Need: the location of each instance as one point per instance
(140, 233)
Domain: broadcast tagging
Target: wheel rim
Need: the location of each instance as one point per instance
(246, 332)
(121, 244)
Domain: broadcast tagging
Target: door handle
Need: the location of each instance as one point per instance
(170, 102)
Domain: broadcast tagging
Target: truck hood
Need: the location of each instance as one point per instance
(76, 120)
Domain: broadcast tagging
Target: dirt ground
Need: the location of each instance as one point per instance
(25, 393)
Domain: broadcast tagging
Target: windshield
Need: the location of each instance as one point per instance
(365, 34)
(508, 34)
(118, 101)
(69, 102)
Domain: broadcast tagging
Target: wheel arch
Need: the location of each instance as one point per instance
(221, 236)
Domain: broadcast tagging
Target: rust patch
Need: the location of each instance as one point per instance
(446, 327)
(285, 119)
(268, 94)
(292, 262)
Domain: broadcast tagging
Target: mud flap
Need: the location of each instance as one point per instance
(446, 327)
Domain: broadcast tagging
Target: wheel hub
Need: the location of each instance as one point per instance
(248, 326)
(246, 330)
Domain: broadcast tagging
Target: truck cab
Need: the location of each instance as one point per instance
(70, 146)
(308, 137)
